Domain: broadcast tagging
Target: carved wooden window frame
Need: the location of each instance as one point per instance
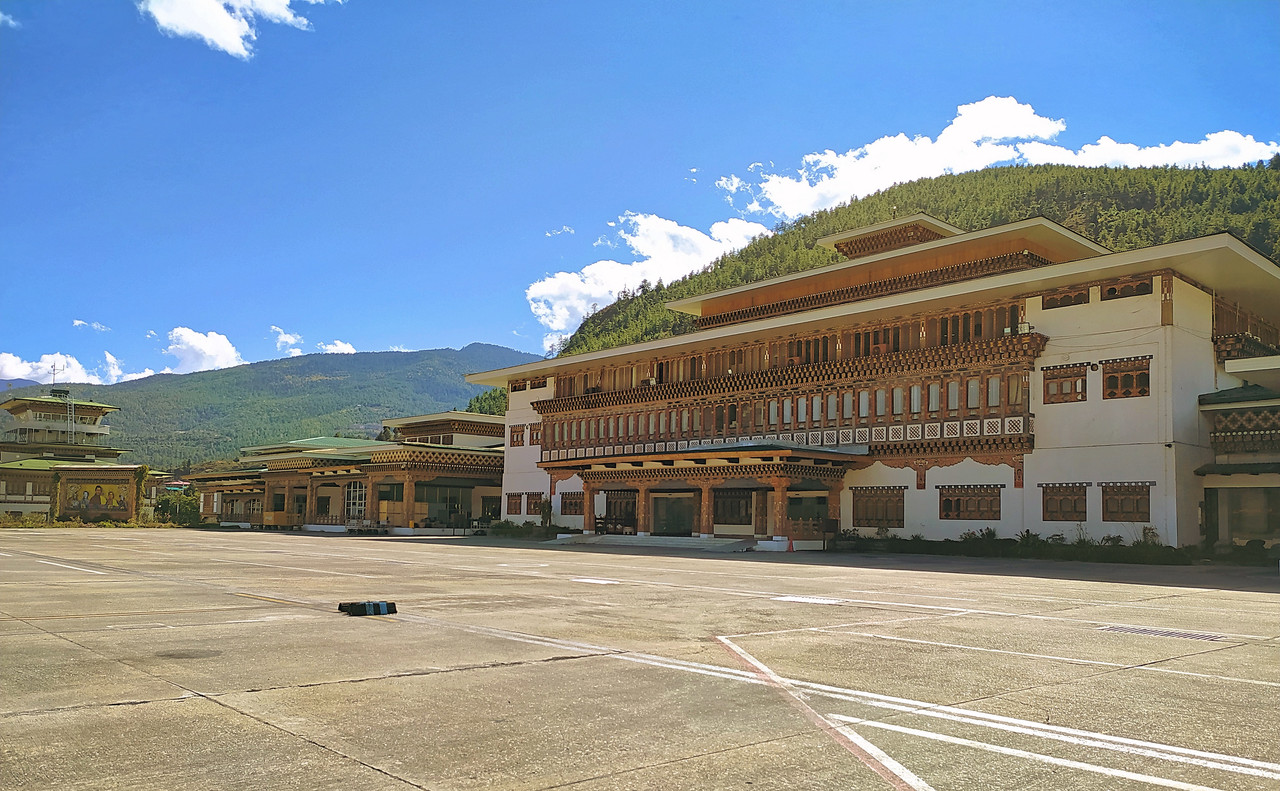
(1126, 377)
(533, 503)
(516, 439)
(732, 506)
(572, 504)
(1064, 502)
(877, 507)
(1065, 299)
(981, 502)
(1126, 288)
(1126, 502)
(515, 503)
(1066, 384)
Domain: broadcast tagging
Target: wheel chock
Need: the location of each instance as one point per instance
(367, 607)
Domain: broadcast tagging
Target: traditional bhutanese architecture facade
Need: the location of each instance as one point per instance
(938, 381)
(442, 471)
(56, 459)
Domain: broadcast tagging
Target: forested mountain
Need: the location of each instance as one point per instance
(1120, 208)
(168, 420)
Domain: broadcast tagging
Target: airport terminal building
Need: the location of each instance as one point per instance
(1020, 377)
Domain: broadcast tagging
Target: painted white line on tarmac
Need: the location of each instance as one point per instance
(808, 599)
(975, 717)
(1049, 759)
(591, 581)
(291, 568)
(836, 626)
(127, 549)
(1071, 660)
(1084, 741)
(74, 568)
(6, 554)
(871, 756)
(1166, 752)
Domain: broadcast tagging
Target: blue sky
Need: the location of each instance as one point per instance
(190, 184)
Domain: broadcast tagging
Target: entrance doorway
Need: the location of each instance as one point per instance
(674, 514)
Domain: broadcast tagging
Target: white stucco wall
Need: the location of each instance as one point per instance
(520, 471)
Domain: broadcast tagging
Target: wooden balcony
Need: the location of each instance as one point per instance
(993, 352)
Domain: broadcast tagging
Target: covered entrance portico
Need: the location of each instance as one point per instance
(743, 490)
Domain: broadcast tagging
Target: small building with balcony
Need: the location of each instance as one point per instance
(57, 458)
(438, 473)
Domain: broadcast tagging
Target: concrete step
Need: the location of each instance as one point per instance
(673, 542)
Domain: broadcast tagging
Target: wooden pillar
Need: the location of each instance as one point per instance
(644, 520)
(780, 505)
(706, 510)
(835, 490)
(588, 508)
(406, 502)
(760, 512)
(309, 513)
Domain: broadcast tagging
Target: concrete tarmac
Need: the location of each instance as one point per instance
(166, 659)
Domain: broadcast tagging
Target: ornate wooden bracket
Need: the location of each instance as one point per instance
(1013, 460)
(558, 476)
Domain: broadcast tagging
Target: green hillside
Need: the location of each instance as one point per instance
(1120, 208)
(168, 420)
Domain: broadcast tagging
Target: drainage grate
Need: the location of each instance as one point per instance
(1162, 633)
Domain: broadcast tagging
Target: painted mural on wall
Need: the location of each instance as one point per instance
(89, 500)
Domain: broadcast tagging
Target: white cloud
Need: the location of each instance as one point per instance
(287, 341)
(560, 230)
(197, 351)
(65, 369)
(8, 21)
(115, 371)
(50, 367)
(227, 25)
(665, 250)
(398, 348)
(152, 334)
(996, 130)
(337, 347)
(92, 325)
(1217, 150)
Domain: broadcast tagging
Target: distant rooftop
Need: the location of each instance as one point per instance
(451, 415)
(31, 401)
(311, 443)
(1239, 395)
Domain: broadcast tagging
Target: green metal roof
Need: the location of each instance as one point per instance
(58, 401)
(314, 442)
(41, 465)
